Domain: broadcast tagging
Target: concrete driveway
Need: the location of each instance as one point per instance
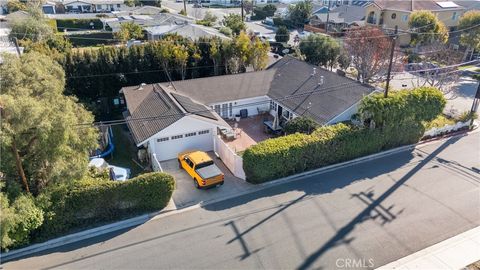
(186, 194)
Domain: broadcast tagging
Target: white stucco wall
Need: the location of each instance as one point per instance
(169, 149)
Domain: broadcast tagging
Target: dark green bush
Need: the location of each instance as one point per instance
(96, 201)
(78, 24)
(92, 39)
(300, 124)
(397, 124)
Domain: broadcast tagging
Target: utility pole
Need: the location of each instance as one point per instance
(185, 7)
(392, 50)
(328, 16)
(476, 102)
(242, 12)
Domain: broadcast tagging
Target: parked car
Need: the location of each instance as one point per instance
(116, 173)
(201, 168)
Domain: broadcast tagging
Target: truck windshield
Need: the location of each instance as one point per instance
(204, 164)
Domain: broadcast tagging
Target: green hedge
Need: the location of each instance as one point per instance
(78, 24)
(92, 39)
(93, 202)
(399, 121)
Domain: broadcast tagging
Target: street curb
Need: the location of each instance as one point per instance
(76, 237)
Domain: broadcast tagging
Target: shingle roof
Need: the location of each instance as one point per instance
(152, 109)
(294, 77)
(225, 88)
(412, 5)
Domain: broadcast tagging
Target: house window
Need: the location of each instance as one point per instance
(286, 114)
(217, 109)
(190, 134)
(454, 16)
(163, 139)
(372, 18)
(230, 109)
(224, 110)
(118, 5)
(177, 137)
(99, 7)
(203, 132)
(405, 18)
(271, 104)
(394, 16)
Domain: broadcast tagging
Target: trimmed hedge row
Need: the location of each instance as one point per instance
(296, 153)
(92, 39)
(78, 24)
(397, 123)
(95, 201)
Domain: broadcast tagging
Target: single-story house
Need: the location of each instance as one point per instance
(49, 7)
(190, 30)
(339, 17)
(167, 118)
(93, 6)
(146, 20)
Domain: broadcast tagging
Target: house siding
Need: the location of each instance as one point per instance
(253, 105)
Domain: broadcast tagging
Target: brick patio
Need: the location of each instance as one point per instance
(250, 132)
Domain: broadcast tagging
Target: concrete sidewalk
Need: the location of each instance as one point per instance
(454, 253)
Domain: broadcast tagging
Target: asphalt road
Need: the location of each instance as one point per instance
(374, 212)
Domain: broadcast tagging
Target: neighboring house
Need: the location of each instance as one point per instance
(192, 31)
(339, 17)
(388, 14)
(168, 118)
(49, 7)
(93, 6)
(146, 20)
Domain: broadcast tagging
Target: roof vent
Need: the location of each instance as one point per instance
(314, 72)
(140, 87)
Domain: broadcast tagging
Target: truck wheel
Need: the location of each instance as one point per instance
(195, 182)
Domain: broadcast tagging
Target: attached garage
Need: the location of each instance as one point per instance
(168, 147)
(167, 123)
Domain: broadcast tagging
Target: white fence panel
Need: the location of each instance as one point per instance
(233, 161)
(446, 129)
(156, 164)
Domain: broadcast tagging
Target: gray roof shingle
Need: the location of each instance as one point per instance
(152, 109)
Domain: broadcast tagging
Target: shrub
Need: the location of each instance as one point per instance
(466, 116)
(282, 34)
(226, 31)
(92, 39)
(95, 201)
(18, 220)
(296, 153)
(300, 124)
(78, 24)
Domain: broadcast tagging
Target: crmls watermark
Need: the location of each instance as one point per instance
(354, 263)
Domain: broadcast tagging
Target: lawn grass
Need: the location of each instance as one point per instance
(125, 151)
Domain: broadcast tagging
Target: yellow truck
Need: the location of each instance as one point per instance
(201, 168)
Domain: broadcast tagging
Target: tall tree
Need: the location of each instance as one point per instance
(128, 31)
(300, 12)
(320, 50)
(427, 28)
(234, 22)
(40, 139)
(369, 48)
(33, 27)
(282, 34)
(468, 24)
(259, 54)
(215, 55)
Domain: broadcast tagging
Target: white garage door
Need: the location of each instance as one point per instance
(169, 147)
